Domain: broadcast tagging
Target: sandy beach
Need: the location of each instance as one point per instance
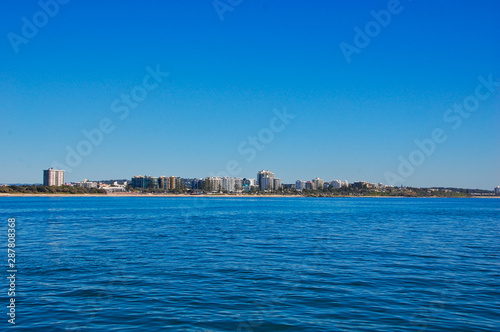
(215, 196)
(141, 195)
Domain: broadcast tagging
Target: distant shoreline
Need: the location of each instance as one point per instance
(222, 195)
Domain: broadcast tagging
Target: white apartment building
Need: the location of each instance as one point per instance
(53, 177)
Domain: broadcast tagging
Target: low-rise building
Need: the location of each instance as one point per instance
(361, 184)
(86, 184)
(248, 184)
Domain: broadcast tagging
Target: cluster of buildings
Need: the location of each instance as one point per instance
(109, 187)
(152, 182)
(55, 177)
(318, 183)
(227, 184)
(86, 184)
(265, 181)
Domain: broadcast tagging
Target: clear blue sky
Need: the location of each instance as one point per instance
(352, 120)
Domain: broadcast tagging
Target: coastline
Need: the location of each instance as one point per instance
(221, 195)
(142, 195)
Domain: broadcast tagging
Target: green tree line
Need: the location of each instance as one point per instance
(39, 189)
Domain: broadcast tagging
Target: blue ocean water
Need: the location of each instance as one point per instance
(245, 264)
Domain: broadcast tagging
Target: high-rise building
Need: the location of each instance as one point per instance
(164, 183)
(213, 183)
(139, 181)
(153, 182)
(192, 183)
(231, 184)
(266, 184)
(196, 183)
(497, 191)
(188, 183)
(265, 180)
(318, 184)
(53, 177)
(335, 184)
(300, 185)
(173, 182)
(276, 184)
(228, 184)
(144, 182)
(179, 184)
(238, 185)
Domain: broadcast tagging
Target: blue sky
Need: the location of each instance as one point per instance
(225, 77)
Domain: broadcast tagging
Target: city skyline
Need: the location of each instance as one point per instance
(60, 179)
(264, 181)
(307, 90)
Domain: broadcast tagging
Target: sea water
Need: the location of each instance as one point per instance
(252, 264)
